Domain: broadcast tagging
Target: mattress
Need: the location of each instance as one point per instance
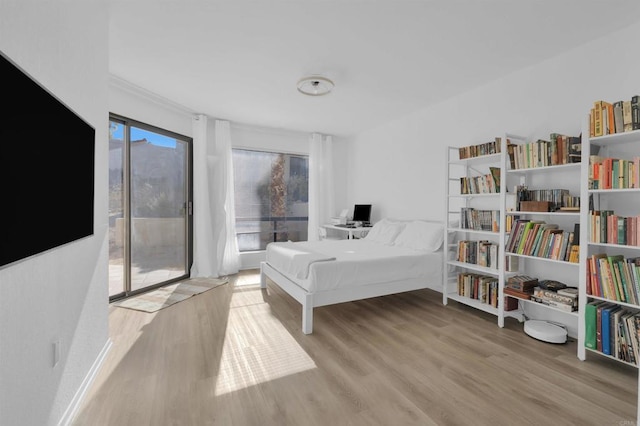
(337, 264)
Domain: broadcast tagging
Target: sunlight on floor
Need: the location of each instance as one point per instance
(250, 355)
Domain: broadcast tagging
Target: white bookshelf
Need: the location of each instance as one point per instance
(503, 202)
(625, 202)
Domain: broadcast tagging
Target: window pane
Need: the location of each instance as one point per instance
(271, 198)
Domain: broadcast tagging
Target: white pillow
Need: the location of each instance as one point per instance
(419, 235)
(384, 232)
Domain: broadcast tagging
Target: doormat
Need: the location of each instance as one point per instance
(166, 296)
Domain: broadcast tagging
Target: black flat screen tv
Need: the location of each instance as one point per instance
(47, 169)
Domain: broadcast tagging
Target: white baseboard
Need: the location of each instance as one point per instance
(71, 410)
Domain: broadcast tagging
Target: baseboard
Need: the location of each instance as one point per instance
(71, 410)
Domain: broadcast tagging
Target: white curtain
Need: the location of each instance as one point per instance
(321, 193)
(215, 251)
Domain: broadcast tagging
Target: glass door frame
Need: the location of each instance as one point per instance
(126, 207)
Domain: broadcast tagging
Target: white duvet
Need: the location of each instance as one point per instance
(355, 263)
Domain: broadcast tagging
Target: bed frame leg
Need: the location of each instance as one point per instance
(263, 277)
(307, 315)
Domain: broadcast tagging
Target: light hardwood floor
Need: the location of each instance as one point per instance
(235, 355)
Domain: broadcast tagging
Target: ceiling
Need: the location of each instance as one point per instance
(240, 60)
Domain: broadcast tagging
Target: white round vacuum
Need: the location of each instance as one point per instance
(545, 331)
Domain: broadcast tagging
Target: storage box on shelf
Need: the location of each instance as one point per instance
(610, 258)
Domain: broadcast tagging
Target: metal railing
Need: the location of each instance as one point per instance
(262, 234)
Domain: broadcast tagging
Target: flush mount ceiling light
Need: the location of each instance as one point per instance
(315, 85)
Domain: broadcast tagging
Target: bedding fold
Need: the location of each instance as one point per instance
(294, 260)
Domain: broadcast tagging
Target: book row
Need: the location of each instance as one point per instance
(540, 239)
(479, 220)
(560, 149)
(612, 330)
(481, 253)
(557, 198)
(479, 287)
(607, 227)
(547, 292)
(614, 277)
(482, 184)
(556, 299)
(613, 173)
(478, 150)
(607, 118)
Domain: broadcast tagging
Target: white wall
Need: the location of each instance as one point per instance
(400, 166)
(61, 294)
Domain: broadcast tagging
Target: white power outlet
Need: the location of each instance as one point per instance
(56, 352)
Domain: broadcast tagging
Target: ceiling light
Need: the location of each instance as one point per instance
(315, 85)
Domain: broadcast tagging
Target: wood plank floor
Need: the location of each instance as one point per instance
(235, 355)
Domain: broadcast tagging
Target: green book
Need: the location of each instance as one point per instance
(590, 324)
(622, 230)
(617, 284)
(619, 265)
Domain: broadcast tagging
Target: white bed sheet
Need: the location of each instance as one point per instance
(358, 262)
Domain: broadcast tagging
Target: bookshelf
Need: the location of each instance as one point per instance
(544, 249)
(473, 270)
(614, 204)
(537, 174)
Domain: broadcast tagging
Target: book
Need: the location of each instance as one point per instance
(618, 117)
(607, 327)
(596, 113)
(635, 112)
(626, 116)
(606, 279)
(599, 324)
(575, 148)
(569, 291)
(590, 311)
(508, 291)
(523, 283)
(541, 237)
(527, 229)
(627, 281)
(628, 332)
(616, 343)
(596, 279)
(553, 296)
(607, 118)
(495, 175)
(574, 254)
(552, 303)
(531, 238)
(516, 234)
(616, 283)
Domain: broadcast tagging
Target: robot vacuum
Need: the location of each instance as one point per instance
(545, 331)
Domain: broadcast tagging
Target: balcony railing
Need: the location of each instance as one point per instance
(254, 233)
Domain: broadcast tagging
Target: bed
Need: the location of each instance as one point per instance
(394, 257)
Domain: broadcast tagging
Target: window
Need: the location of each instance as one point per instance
(271, 198)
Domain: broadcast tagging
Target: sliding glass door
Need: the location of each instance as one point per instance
(149, 207)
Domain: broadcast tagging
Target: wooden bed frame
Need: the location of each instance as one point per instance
(311, 300)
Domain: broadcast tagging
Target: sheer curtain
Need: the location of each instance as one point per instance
(215, 249)
(321, 193)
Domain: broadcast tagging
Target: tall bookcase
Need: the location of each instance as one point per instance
(504, 202)
(557, 177)
(623, 201)
(484, 283)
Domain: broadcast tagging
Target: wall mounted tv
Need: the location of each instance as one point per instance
(47, 169)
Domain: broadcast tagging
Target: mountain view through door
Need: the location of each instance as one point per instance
(149, 212)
